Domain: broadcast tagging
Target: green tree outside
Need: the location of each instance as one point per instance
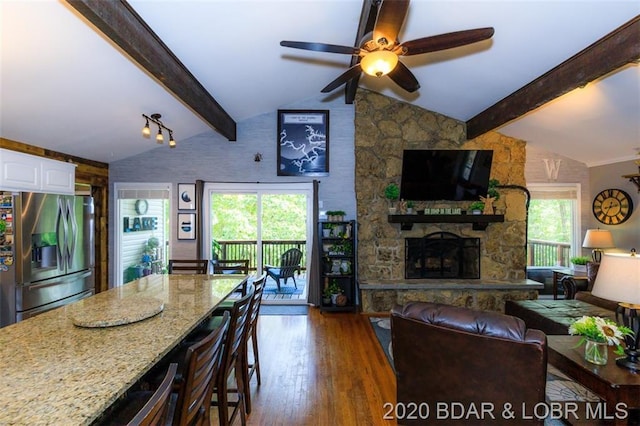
(234, 216)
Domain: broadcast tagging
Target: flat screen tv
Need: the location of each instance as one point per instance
(445, 174)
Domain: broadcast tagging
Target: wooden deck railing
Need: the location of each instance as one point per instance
(271, 251)
(539, 252)
(548, 253)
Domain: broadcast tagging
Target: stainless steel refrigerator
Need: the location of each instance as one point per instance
(46, 253)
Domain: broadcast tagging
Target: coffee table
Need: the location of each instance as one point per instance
(611, 383)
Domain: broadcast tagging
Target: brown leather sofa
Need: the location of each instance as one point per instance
(451, 362)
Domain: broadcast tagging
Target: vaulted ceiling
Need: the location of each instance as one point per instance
(68, 87)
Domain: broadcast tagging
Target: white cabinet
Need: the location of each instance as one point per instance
(24, 172)
(19, 171)
(57, 176)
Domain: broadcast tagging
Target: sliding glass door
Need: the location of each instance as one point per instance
(259, 222)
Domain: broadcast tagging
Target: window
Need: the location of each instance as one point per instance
(553, 234)
(141, 230)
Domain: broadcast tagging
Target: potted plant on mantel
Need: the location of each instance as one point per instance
(410, 206)
(392, 193)
(476, 207)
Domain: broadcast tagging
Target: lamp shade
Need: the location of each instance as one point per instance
(598, 238)
(618, 278)
(379, 63)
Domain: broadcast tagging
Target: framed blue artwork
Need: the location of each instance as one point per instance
(303, 142)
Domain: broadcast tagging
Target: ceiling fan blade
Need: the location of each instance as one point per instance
(404, 78)
(343, 78)
(445, 41)
(390, 18)
(321, 47)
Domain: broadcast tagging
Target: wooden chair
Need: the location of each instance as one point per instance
(202, 362)
(233, 362)
(231, 266)
(289, 264)
(188, 266)
(143, 408)
(251, 334)
(154, 412)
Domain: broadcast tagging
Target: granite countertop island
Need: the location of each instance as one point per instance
(55, 372)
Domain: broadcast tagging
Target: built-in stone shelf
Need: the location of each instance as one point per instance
(452, 284)
(479, 221)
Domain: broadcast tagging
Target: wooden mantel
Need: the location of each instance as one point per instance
(479, 221)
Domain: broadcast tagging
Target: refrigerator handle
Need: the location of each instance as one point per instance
(60, 235)
(73, 234)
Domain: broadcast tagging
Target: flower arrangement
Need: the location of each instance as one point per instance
(600, 330)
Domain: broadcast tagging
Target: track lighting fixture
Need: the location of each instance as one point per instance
(155, 119)
(146, 131)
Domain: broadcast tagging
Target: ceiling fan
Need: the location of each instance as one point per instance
(380, 50)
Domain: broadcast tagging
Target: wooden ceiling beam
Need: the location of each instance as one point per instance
(121, 24)
(608, 54)
(367, 22)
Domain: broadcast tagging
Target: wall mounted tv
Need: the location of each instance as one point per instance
(449, 174)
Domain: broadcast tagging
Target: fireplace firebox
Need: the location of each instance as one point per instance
(442, 255)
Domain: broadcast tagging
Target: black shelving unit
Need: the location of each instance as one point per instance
(339, 262)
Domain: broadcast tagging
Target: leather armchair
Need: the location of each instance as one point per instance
(457, 358)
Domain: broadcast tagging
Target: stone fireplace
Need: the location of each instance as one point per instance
(385, 127)
(442, 255)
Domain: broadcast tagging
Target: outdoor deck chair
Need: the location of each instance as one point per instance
(289, 264)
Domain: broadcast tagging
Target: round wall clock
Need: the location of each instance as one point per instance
(612, 206)
(142, 206)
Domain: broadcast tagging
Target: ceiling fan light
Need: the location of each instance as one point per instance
(379, 63)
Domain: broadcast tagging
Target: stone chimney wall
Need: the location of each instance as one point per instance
(384, 128)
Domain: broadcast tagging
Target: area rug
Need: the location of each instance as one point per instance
(274, 309)
(559, 386)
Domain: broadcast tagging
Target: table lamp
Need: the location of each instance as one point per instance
(619, 280)
(597, 239)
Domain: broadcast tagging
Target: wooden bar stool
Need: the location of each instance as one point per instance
(251, 334)
(142, 408)
(155, 411)
(233, 362)
(188, 266)
(202, 361)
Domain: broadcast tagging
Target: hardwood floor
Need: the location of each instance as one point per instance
(320, 369)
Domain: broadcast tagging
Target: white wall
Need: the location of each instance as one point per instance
(626, 235)
(212, 158)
